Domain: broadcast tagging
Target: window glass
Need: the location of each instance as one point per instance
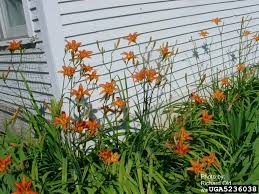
(12, 19)
(15, 14)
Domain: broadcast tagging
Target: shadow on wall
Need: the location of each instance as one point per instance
(19, 124)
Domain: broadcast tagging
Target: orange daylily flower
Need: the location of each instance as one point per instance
(93, 76)
(197, 167)
(205, 117)
(115, 157)
(68, 71)
(92, 125)
(84, 54)
(203, 34)
(129, 56)
(109, 157)
(139, 76)
(109, 88)
(79, 126)
(23, 187)
(62, 120)
(4, 163)
(165, 52)
(119, 103)
(132, 38)
(246, 33)
(219, 95)
(225, 82)
(197, 99)
(80, 92)
(216, 21)
(211, 159)
(73, 45)
(184, 135)
(86, 68)
(182, 148)
(240, 67)
(105, 154)
(151, 75)
(256, 37)
(13, 45)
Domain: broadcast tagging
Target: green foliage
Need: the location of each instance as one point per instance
(145, 166)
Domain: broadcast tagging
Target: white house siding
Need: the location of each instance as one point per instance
(164, 20)
(34, 68)
(106, 21)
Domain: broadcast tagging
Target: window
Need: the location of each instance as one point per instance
(12, 19)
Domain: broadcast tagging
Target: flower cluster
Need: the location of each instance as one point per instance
(117, 106)
(64, 121)
(149, 75)
(240, 67)
(196, 98)
(80, 92)
(205, 117)
(5, 163)
(132, 38)
(216, 21)
(89, 73)
(73, 46)
(24, 187)
(68, 71)
(109, 157)
(203, 34)
(128, 56)
(205, 162)
(90, 125)
(108, 88)
(225, 82)
(219, 95)
(165, 52)
(14, 45)
(77, 56)
(179, 138)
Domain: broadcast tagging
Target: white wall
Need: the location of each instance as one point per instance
(106, 21)
(34, 67)
(164, 20)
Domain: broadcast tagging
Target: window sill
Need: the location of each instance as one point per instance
(27, 43)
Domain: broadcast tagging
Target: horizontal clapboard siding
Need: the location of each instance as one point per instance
(33, 66)
(165, 21)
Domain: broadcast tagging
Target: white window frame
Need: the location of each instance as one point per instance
(17, 32)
